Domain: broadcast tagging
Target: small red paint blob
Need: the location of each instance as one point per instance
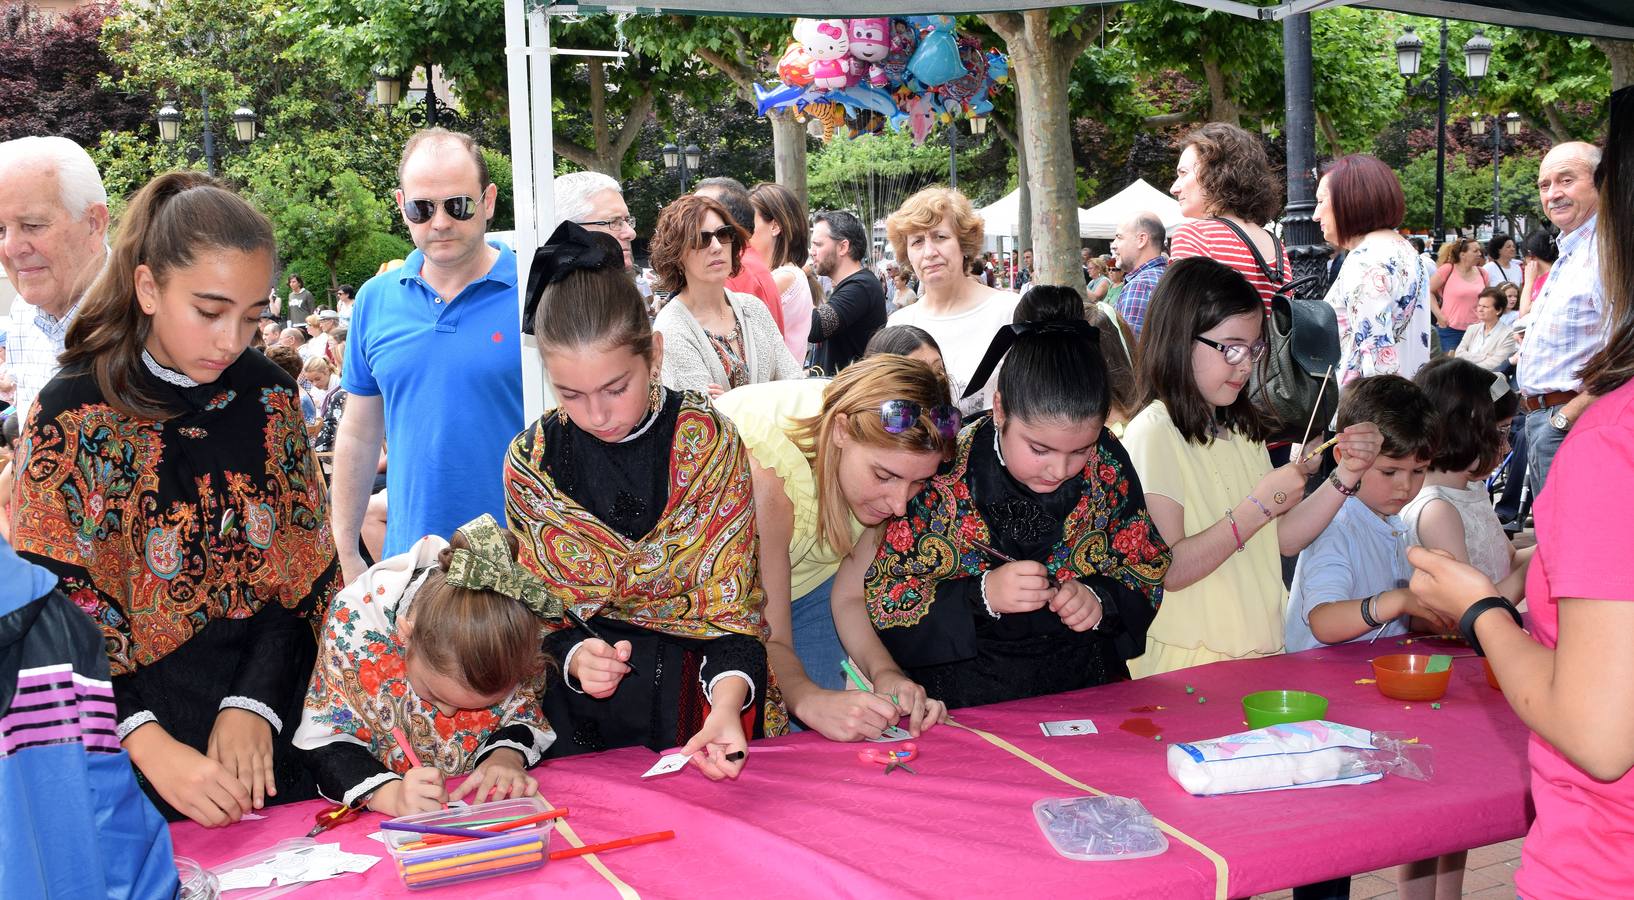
(499, 337)
(1142, 726)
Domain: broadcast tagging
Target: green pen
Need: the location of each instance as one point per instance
(857, 681)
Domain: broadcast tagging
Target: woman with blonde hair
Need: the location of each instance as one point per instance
(939, 234)
(830, 459)
(715, 339)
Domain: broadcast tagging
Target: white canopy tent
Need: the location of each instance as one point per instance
(528, 48)
(1102, 219)
(1001, 220)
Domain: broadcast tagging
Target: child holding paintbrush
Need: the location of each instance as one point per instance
(431, 667)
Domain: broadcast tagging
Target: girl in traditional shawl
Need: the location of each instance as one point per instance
(1028, 566)
(634, 504)
(440, 644)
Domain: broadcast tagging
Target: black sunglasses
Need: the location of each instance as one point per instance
(898, 416)
(459, 208)
(726, 234)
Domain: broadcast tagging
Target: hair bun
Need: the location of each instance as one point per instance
(571, 248)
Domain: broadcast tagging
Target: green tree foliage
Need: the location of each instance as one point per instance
(317, 206)
(1556, 82)
(1357, 90)
(465, 38)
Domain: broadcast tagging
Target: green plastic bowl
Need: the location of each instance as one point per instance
(1267, 708)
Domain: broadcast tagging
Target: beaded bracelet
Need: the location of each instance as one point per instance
(985, 604)
(1256, 501)
(1340, 486)
(1234, 532)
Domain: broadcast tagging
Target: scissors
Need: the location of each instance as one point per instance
(892, 759)
(333, 816)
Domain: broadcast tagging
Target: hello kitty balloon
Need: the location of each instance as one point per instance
(829, 45)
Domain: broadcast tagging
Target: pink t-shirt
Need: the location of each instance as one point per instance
(1582, 842)
(1458, 296)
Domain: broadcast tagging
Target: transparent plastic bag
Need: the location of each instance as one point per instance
(1295, 755)
(1393, 753)
(1099, 828)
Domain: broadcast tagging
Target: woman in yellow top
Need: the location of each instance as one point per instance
(1199, 448)
(813, 498)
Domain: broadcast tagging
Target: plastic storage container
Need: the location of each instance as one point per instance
(451, 863)
(197, 882)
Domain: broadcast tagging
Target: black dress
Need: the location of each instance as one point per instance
(199, 544)
(924, 590)
(617, 499)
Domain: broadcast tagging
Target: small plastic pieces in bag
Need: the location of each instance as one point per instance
(1100, 828)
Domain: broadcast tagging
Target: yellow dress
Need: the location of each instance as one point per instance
(1237, 611)
(764, 414)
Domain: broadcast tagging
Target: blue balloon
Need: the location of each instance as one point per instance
(936, 60)
(866, 96)
(768, 99)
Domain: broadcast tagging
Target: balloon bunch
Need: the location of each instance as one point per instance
(908, 71)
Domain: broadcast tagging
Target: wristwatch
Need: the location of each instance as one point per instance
(1559, 421)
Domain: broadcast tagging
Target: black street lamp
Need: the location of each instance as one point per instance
(170, 127)
(683, 163)
(1511, 123)
(1409, 52)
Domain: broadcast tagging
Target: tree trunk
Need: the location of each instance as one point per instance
(789, 156)
(1330, 134)
(1041, 63)
(608, 151)
(1621, 55)
(1221, 107)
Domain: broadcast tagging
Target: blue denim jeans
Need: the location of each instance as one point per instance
(815, 640)
(1542, 442)
(1450, 337)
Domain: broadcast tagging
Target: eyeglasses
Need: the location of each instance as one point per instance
(1235, 354)
(898, 416)
(726, 234)
(626, 221)
(459, 208)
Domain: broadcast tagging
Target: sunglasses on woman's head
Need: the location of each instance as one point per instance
(459, 208)
(898, 416)
(726, 234)
(1235, 354)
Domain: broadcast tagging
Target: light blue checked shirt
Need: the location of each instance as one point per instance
(1137, 291)
(1567, 321)
(34, 340)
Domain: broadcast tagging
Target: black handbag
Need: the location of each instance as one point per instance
(1302, 348)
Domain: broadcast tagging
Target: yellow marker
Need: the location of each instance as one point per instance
(468, 858)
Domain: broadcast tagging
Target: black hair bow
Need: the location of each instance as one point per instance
(571, 248)
(1007, 335)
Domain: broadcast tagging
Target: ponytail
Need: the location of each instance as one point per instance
(166, 225)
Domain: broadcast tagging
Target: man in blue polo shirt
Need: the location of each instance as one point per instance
(433, 361)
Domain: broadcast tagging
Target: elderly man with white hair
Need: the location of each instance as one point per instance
(53, 233)
(596, 201)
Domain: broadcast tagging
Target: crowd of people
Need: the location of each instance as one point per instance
(767, 464)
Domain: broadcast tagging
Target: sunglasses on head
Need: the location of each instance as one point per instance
(726, 234)
(1235, 354)
(458, 208)
(898, 416)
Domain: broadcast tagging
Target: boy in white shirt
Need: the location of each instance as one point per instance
(1352, 580)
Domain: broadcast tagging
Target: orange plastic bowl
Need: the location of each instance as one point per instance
(1491, 679)
(1401, 676)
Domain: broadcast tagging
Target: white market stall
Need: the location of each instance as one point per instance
(1102, 219)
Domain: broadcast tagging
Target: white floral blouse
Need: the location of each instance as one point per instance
(1382, 297)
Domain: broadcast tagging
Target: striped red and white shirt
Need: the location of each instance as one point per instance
(1215, 240)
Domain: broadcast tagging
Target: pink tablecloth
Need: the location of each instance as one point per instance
(808, 819)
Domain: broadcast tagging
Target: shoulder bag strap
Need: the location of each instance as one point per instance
(1277, 277)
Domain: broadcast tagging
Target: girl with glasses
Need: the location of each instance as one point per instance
(1199, 444)
(717, 339)
(830, 459)
(634, 502)
(1028, 565)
